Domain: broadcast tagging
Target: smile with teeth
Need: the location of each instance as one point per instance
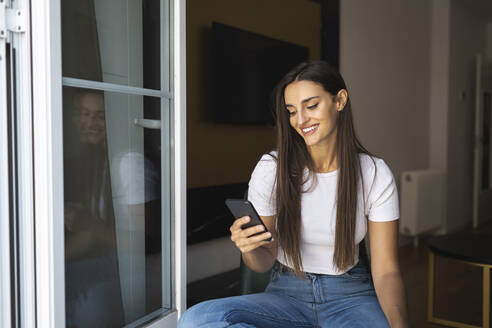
(310, 130)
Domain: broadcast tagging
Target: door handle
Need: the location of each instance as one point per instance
(146, 123)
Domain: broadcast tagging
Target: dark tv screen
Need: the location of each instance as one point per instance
(247, 66)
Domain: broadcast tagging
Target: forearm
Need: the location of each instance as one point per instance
(390, 291)
(259, 259)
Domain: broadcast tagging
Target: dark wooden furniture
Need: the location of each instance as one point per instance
(473, 248)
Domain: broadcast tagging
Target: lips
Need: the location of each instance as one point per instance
(310, 130)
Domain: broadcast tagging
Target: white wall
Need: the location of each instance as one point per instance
(409, 67)
(439, 92)
(384, 51)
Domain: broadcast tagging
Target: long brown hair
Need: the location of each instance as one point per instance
(293, 157)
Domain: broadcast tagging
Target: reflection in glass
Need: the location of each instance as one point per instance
(113, 240)
(112, 41)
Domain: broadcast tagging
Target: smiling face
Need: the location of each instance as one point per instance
(313, 111)
(89, 118)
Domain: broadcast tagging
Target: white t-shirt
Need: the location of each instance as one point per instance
(318, 208)
(134, 179)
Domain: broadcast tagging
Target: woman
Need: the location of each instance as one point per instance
(318, 194)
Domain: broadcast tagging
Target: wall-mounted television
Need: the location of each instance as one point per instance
(246, 67)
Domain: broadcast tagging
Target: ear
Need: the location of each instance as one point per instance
(341, 99)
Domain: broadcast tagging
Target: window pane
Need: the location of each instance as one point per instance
(112, 41)
(117, 208)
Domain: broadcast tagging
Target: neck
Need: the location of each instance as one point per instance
(323, 155)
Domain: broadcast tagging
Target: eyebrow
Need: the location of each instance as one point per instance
(302, 102)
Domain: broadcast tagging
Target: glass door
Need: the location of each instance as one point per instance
(116, 112)
(92, 153)
(118, 189)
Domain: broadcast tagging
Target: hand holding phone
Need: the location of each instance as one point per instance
(248, 231)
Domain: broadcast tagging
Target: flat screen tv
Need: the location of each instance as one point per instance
(246, 67)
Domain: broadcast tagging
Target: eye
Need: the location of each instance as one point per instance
(313, 106)
(292, 113)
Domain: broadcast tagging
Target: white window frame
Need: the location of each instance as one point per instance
(24, 244)
(48, 155)
(5, 307)
(48, 151)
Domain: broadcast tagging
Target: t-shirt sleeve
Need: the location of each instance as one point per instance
(383, 197)
(261, 187)
(135, 180)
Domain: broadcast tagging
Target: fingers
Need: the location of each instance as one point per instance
(243, 237)
(236, 226)
(253, 240)
(252, 230)
(245, 233)
(239, 222)
(248, 248)
(248, 244)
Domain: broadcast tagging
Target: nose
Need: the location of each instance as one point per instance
(91, 121)
(302, 117)
(94, 120)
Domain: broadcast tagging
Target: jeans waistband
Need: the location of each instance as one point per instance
(282, 268)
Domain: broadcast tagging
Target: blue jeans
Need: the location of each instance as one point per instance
(321, 300)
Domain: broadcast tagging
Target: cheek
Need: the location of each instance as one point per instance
(293, 123)
(83, 123)
(328, 117)
(100, 123)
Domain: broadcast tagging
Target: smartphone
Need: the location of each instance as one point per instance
(242, 207)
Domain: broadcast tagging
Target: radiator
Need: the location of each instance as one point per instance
(422, 201)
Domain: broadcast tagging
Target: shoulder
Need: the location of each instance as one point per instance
(126, 162)
(265, 171)
(270, 157)
(380, 189)
(128, 157)
(267, 162)
(376, 173)
(373, 166)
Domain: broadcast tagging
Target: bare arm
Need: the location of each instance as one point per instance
(386, 274)
(86, 233)
(258, 255)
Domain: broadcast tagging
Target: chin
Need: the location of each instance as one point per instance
(310, 144)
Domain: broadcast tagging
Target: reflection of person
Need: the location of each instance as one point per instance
(88, 207)
(92, 280)
(318, 194)
(98, 194)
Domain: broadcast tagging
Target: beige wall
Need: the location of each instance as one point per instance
(409, 66)
(224, 153)
(385, 62)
